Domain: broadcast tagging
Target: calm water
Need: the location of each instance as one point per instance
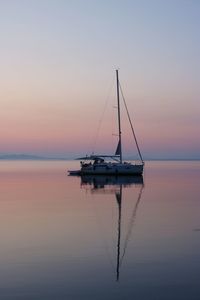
(63, 238)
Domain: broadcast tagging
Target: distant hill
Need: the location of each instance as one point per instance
(27, 157)
(36, 157)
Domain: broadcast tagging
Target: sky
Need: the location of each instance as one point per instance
(57, 78)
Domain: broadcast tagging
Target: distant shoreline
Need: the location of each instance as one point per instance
(41, 158)
(28, 157)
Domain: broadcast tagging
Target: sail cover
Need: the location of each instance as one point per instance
(118, 150)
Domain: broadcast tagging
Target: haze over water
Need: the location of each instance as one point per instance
(60, 235)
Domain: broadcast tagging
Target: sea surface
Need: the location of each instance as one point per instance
(66, 237)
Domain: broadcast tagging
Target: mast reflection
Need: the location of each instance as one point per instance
(114, 185)
(101, 181)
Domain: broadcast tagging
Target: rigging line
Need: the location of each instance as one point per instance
(132, 221)
(101, 117)
(133, 131)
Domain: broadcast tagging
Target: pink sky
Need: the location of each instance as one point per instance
(57, 67)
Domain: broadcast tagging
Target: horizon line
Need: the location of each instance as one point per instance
(25, 156)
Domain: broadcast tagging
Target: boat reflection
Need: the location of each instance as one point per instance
(115, 185)
(102, 182)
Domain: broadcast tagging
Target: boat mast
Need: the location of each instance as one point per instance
(119, 117)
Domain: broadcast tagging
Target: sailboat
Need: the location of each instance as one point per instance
(112, 164)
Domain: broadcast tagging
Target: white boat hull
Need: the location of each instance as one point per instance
(112, 169)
